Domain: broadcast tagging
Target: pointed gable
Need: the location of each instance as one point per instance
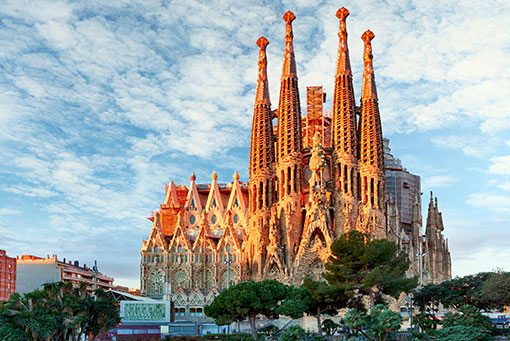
(236, 203)
(202, 240)
(193, 201)
(180, 237)
(171, 198)
(214, 205)
(229, 236)
(156, 237)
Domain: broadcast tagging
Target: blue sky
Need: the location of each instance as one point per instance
(102, 103)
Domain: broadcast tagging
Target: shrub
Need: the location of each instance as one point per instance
(463, 333)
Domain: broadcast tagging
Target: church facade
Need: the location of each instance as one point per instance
(311, 180)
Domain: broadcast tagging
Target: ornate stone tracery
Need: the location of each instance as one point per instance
(299, 198)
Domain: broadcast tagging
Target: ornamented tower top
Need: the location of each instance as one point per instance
(289, 110)
(344, 114)
(262, 152)
(371, 143)
(371, 166)
(368, 90)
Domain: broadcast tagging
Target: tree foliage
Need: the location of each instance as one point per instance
(467, 316)
(462, 333)
(312, 298)
(57, 312)
(359, 266)
(485, 290)
(246, 300)
(378, 324)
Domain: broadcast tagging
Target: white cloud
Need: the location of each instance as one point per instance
(105, 102)
(505, 186)
(478, 146)
(500, 165)
(439, 181)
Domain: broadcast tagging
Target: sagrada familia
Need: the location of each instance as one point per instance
(311, 179)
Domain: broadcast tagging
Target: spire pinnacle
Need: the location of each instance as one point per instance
(343, 62)
(289, 61)
(368, 91)
(262, 94)
(344, 133)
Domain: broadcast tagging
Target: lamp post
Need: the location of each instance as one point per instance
(228, 261)
(95, 279)
(421, 254)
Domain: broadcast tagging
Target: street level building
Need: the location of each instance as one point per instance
(33, 272)
(310, 181)
(7, 275)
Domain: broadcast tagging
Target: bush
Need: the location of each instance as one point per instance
(229, 337)
(293, 333)
(270, 330)
(463, 333)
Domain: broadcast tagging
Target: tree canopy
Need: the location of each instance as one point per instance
(312, 298)
(57, 312)
(485, 290)
(359, 266)
(246, 300)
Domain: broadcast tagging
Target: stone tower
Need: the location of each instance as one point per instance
(345, 139)
(289, 150)
(261, 187)
(371, 217)
(301, 194)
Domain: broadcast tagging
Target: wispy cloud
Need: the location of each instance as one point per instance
(439, 181)
(104, 103)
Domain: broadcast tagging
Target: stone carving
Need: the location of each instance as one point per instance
(282, 223)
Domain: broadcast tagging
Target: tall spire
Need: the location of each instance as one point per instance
(289, 61)
(371, 151)
(371, 142)
(262, 151)
(368, 90)
(289, 110)
(344, 113)
(262, 95)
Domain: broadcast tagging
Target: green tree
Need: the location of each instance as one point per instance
(467, 316)
(355, 320)
(56, 312)
(378, 324)
(427, 321)
(484, 290)
(293, 333)
(462, 333)
(359, 266)
(495, 291)
(246, 300)
(383, 321)
(312, 298)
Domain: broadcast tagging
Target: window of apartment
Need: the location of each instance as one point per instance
(10, 265)
(180, 311)
(196, 312)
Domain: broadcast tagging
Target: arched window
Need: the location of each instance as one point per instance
(228, 248)
(156, 248)
(179, 249)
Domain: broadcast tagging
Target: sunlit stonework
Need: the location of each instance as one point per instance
(310, 181)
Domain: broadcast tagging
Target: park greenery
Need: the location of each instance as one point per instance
(362, 275)
(358, 268)
(58, 311)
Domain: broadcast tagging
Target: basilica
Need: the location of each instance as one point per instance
(311, 179)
